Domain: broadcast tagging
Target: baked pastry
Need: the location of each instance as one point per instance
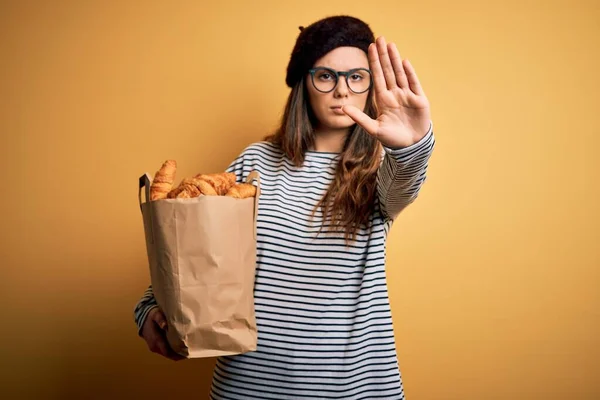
(184, 190)
(192, 187)
(163, 180)
(220, 182)
(242, 191)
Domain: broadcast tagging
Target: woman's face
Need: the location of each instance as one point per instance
(323, 104)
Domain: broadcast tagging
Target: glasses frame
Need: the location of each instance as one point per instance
(337, 74)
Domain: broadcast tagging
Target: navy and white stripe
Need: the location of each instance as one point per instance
(143, 307)
(322, 309)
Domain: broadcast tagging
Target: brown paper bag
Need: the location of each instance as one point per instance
(202, 256)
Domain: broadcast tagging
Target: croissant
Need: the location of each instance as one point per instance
(194, 188)
(163, 180)
(220, 182)
(242, 191)
(175, 192)
(185, 191)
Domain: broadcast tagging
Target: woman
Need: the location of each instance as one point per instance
(351, 153)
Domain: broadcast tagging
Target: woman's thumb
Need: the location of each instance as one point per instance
(369, 124)
(160, 320)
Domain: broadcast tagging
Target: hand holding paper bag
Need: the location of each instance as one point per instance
(154, 333)
(201, 246)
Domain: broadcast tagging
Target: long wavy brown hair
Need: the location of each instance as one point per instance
(350, 198)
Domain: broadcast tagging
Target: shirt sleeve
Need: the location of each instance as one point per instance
(402, 174)
(237, 166)
(143, 307)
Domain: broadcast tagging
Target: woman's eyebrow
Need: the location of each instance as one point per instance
(339, 70)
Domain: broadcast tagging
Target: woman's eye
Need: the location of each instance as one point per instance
(356, 77)
(325, 76)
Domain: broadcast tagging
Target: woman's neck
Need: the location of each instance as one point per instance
(330, 141)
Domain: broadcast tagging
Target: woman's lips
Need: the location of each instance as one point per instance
(338, 110)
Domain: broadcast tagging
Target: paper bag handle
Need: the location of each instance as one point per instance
(254, 175)
(144, 183)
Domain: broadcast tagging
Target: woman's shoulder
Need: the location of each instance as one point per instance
(261, 149)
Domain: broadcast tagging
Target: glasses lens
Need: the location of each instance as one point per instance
(359, 80)
(324, 80)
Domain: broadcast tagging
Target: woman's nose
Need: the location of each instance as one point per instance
(341, 89)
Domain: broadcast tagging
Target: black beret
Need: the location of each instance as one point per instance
(321, 37)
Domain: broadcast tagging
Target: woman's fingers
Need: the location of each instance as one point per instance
(155, 334)
(160, 345)
(376, 70)
(386, 66)
(386, 63)
(174, 356)
(413, 80)
(159, 318)
(399, 70)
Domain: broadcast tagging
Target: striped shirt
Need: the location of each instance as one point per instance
(322, 309)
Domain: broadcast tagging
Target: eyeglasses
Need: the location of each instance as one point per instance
(326, 79)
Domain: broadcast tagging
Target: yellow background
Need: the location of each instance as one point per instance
(493, 272)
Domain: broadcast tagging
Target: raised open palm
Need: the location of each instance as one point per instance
(403, 108)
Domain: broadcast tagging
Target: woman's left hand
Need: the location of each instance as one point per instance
(403, 108)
